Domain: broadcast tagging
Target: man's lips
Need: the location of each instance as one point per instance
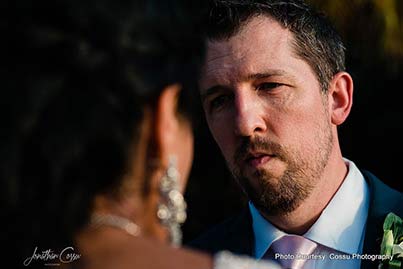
(258, 159)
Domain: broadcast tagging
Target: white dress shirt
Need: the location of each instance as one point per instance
(339, 231)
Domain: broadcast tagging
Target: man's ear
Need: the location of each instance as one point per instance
(166, 122)
(340, 97)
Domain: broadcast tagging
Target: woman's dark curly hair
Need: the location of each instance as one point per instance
(75, 80)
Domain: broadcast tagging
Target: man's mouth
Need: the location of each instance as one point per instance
(258, 159)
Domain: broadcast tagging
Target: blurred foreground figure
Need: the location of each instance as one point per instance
(96, 133)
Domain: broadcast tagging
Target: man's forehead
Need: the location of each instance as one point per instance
(221, 59)
(230, 60)
(225, 63)
(222, 69)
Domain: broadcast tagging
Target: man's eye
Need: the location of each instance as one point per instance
(268, 86)
(219, 101)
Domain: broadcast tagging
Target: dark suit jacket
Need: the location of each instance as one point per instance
(236, 234)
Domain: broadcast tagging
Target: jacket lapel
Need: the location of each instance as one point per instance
(240, 238)
(383, 200)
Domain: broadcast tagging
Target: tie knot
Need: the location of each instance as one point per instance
(291, 249)
(293, 244)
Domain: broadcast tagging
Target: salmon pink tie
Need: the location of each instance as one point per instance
(288, 246)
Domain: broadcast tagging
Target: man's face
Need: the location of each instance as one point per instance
(266, 111)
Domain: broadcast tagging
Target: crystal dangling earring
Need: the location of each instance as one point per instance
(172, 209)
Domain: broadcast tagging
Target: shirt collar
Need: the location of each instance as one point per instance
(265, 233)
(340, 226)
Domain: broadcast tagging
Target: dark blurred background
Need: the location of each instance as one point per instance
(371, 137)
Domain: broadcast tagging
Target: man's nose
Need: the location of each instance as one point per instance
(249, 115)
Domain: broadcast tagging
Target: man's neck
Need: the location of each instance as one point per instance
(301, 219)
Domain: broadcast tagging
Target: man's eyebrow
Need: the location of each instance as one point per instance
(266, 74)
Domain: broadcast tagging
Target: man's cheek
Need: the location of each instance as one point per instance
(227, 150)
(223, 138)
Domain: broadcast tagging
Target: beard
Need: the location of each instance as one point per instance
(276, 195)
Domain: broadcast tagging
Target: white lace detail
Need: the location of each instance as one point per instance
(227, 260)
